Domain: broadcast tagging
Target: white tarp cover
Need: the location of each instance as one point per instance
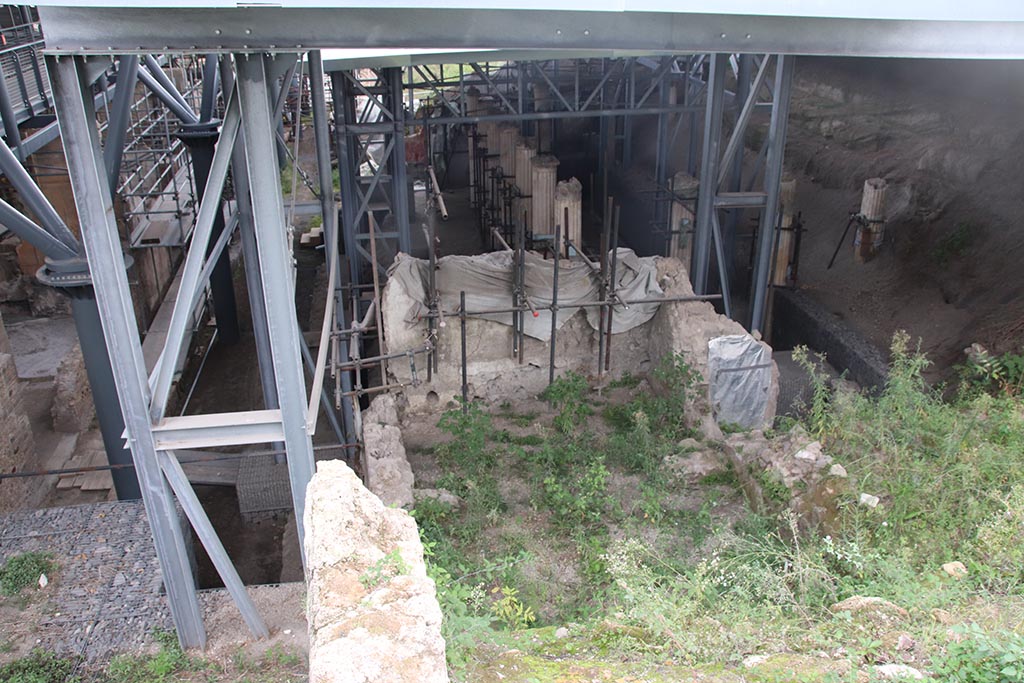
(487, 280)
(740, 378)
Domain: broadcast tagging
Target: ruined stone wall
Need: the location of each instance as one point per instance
(388, 473)
(372, 611)
(17, 445)
(73, 409)
(494, 376)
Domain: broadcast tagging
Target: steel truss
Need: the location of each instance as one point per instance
(721, 173)
(370, 126)
(153, 436)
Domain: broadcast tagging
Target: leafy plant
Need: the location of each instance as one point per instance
(580, 500)
(982, 657)
(984, 371)
(953, 245)
(509, 610)
(567, 394)
(23, 570)
(39, 666)
(383, 570)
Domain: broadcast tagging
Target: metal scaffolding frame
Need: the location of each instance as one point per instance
(80, 38)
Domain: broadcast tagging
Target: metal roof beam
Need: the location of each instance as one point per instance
(132, 29)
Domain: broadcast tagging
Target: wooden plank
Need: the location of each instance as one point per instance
(97, 481)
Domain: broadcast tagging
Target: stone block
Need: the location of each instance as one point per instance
(372, 611)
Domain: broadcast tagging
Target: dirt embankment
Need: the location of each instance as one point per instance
(948, 137)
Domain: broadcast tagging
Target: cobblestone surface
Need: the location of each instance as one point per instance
(107, 590)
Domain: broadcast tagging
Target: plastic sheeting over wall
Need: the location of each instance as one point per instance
(487, 281)
(740, 379)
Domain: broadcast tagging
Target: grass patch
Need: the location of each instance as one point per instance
(23, 570)
(40, 667)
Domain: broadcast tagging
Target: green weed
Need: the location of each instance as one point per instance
(23, 570)
(40, 666)
(170, 663)
(978, 656)
(953, 245)
(383, 570)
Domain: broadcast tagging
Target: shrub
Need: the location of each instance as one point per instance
(567, 394)
(940, 468)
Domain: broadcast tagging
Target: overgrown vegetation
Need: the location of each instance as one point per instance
(660, 583)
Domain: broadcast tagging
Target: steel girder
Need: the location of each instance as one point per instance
(130, 29)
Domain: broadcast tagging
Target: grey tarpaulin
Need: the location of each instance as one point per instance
(740, 377)
(487, 281)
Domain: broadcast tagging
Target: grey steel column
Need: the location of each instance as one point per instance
(348, 169)
(104, 391)
(165, 81)
(208, 103)
(74, 106)
(120, 116)
(250, 256)
(399, 184)
(11, 129)
(183, 112)
(278, 291)
(709, 172)
(23, 227)
(629, 96)
(690, 98)
(329, 210)
(735, 179)
(662, 153)
(34, 199)
(772, 182)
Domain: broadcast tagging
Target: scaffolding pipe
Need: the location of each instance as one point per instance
(554, 298)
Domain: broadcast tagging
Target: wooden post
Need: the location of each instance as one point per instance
(784, 252)
(681, 218)
(569, 202)
(872, 209)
